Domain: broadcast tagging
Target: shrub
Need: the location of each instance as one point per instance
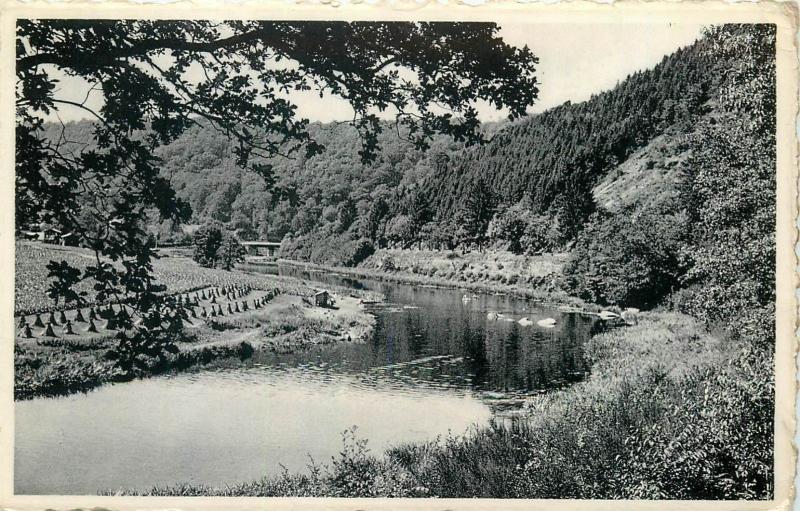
(387, 263)
(357, 251)
(715, 443)
(628, 258)
(207, 241)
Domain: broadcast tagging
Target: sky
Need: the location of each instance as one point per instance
(575, 61)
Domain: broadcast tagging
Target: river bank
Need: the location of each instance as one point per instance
(531, 277)
(257, 312)
(664, 414)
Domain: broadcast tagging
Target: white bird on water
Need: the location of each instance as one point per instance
(547, 322)
(525, 322)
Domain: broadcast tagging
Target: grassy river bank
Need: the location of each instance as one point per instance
(531, 277)
(669, 411)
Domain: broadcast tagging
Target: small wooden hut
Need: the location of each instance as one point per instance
(322, 299)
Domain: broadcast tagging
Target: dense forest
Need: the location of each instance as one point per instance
(529, 189)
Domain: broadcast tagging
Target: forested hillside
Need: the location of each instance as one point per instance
(528, 189)
(546, 183)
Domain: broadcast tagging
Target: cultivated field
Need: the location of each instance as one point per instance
(178, 274)
(59, 350)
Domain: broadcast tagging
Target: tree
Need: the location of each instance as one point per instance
(731, 190)
(632, 258)
(443, 235)
(345, 215)
(508, 227)
(475, 214)
(373, 225)
(207, 242)
(145, 71)
(401, 231)
(230, 251)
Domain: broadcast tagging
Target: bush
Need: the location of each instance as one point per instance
(357, 251)
(214, 246)
(628, 258)
(387, 263)
(716, 443)
(207, 241)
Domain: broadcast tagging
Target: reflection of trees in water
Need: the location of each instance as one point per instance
(531, 358)
(353, 283)
(476, 358)
(497, 355)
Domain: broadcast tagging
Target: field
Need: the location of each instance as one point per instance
(179, 274)
(231, 314)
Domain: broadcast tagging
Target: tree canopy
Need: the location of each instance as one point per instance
(158, 78)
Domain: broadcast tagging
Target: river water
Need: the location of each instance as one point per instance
(436, 365)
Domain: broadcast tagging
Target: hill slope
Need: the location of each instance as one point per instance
(531, 188)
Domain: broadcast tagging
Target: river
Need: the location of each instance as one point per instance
(436, 365)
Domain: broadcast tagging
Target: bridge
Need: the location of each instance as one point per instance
(258, 248)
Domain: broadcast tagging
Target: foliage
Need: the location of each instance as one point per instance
(63, 278)
(104, 191)
(335, 250)
(731, 188)
(216, 246)
(207, 242)
(716, 444)
(549, 163)
(230, 251)
(521, 231)
(714, 242)
(401, 231)
(555, 158)
(474, 214)
(632, 258)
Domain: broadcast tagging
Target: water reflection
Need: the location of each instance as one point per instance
(430, 335)
(220, 427)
